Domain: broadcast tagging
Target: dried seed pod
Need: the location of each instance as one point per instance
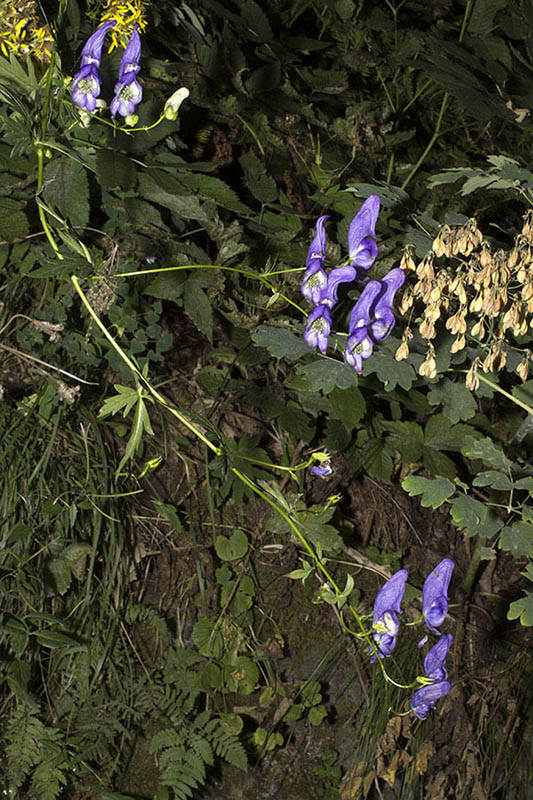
(457, 323)
(458, 344)
(472, 380)
(428, 368)
(523, 368)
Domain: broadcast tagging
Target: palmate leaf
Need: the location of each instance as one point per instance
(280, 342)
(434, 491)
(523, 609)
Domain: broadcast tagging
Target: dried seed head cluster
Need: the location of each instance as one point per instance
(126, 15)
(22, 31)
(475, 291)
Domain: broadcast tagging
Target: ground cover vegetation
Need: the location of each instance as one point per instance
(266, 411)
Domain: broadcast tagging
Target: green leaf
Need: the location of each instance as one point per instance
(474, 517)
(441, 435)
(378, 461)
(518, 539)
(407, 438)
(232, 548)
(57, 573)
(67, 189)
(456, 400)
(280, 342)
(295, 421)
(114, 170)
(168, 192)
(522, 608)
(167, 285)
(434, 491)
(13, 221)
(53, 639)
(214, 189)
(325, 374)
(494, 479)
(347, 405)
(485, 450)
(197, 305)
(437, 463)
(390, 372)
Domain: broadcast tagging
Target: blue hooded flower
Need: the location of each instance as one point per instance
(128, 90)
(383, 318)
(318, 328)
(435, 594)
(86, 83)
(359, 344)
(435, 668)
(361, 233)
(385, 621)
(322, 470)
(337, 276)
(315, 278)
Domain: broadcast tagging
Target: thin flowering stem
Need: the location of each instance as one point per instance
(138, 374)
(245, 272)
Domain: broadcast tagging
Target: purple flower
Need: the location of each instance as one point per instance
(318, 328)
(315, 278)
(86, 84)
(435, 669)
(322, 470)
(385, 621)
(435, 594)
(128, 90)
(426, 697)
(339, 275)
(363, 249)
(383, 318)
(359, 345)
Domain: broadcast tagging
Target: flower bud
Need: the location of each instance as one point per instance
(174, 102)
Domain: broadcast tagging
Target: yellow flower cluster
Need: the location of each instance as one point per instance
(126, 15)
(21, 31)
(477, 291)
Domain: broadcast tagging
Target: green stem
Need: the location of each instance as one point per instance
(431, 142)
(513, 399)
(138, 374)
(245, 272)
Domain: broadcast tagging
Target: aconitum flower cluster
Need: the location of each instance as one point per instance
(386, 626)
(372, 318)
(86, 85)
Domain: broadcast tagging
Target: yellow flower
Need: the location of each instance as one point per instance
(126, 15)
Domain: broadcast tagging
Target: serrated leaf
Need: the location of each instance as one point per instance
(115, 170)
(378, 461)
(13, 221)
(390, 372)
(347, 405)
(485, 450)
(325, 375)
(171, 195)
(518, 539)
(407, 438)
(197, 305)
(434, 491)
(214, 189)
(474, 517)
(294, 420)
(280, 342)
(437, 463)
(67, 189)
(523, 609)
(456, 400)
(494, 479)
(439, 434)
